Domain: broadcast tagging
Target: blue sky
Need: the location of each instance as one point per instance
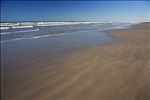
(132, 11)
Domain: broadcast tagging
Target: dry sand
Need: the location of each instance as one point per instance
(114, 71)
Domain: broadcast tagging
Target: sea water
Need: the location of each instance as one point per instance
(14, 31)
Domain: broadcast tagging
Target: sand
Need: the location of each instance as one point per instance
(112, 71)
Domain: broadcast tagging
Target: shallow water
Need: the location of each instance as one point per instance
(58, 42)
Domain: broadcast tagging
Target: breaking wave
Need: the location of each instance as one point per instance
(19, 31)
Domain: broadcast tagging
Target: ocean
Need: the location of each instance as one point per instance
(13, 31)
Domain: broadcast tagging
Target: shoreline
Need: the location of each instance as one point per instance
(118, 70)
(55, 34)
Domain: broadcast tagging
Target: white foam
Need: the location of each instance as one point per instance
(22, 26)
(63, 23)
(3, 33)
(19, 31)
(52, 23)
(50, 35)
(4, 28)
(28, 24)
(9, 24)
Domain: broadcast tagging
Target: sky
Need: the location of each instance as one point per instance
(122, 11)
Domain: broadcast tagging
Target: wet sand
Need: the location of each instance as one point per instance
(112, 71)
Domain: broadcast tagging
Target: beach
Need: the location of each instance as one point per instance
(117, 70)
